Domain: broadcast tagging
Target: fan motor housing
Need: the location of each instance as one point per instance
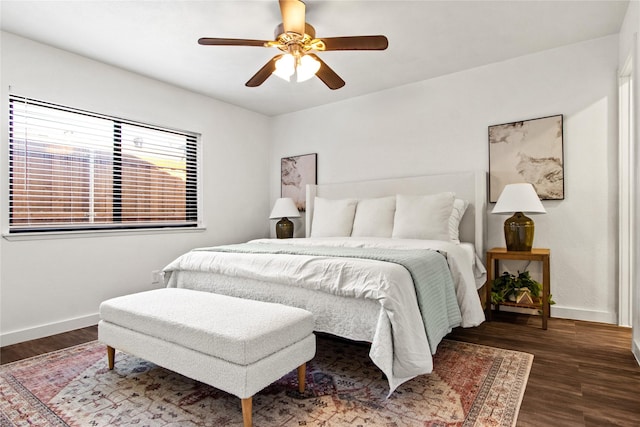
(308, 31)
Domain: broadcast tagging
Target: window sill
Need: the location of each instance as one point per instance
(81, 234)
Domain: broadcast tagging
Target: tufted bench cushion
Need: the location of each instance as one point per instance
(237, 330)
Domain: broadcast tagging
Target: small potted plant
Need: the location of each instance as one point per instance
(517, 289)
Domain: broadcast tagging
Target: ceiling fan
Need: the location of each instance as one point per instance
(296, 39)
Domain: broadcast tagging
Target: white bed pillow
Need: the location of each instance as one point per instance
(459, 208)
(333, 217)
(423, 217)
(374, 217)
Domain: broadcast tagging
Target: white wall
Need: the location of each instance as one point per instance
(441, 124)
(629, 46)
(52, 285)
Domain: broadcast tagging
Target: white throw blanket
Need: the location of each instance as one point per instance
(468, 276)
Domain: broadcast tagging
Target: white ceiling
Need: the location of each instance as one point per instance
(426, 39)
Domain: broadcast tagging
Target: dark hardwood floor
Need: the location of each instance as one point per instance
(12, 353)
(583, 373)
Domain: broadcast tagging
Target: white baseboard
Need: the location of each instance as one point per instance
(15, 337)
(586, 315)
(635, 349)
(570, 313)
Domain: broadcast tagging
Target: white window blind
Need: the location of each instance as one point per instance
(72, 169)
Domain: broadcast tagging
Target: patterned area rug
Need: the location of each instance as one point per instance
(471, 385)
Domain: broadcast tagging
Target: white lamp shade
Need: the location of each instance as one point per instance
(285, 67)
(519, 198)
(284, 208)
(307, 68)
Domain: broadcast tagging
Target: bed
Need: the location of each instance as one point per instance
(361, 270)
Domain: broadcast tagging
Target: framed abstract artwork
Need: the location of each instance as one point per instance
(527, 151)
(295, 173)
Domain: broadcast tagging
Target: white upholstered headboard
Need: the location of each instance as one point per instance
(470, 186)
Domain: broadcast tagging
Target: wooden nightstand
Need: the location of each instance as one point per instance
(537, 254)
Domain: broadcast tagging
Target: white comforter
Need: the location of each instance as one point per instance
(399, 347)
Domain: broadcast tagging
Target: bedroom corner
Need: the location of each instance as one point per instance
(54, 284)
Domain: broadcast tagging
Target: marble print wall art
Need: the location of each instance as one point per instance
(295, 173)
(527, 151)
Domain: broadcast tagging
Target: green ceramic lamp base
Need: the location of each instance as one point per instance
(284, 229)
(518, 233)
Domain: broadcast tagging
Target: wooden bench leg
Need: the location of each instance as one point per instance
(302, 369)
(111, 353)
(246, 412)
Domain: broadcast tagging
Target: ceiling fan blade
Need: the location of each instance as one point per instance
(209, 41)
(263, 73)
(293, 18)
(327, 75)
(356, 43)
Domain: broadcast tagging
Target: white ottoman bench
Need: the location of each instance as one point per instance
(236, 345)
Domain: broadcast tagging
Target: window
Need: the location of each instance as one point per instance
(75, 170)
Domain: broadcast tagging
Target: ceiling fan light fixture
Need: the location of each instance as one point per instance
(304, 67)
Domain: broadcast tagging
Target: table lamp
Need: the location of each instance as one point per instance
(518, 229)
(284, 209)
